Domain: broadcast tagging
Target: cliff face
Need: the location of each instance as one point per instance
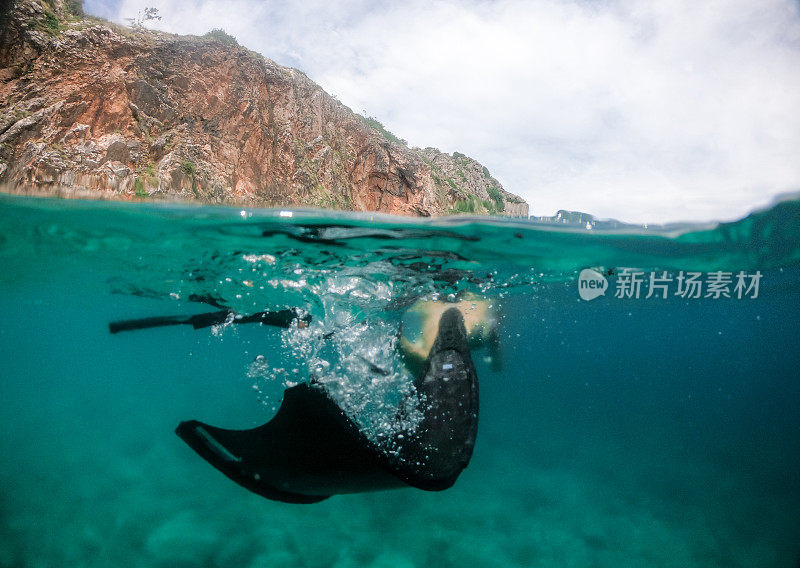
(130, 112)
(475, 189)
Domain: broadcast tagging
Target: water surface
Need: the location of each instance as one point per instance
(620, 431)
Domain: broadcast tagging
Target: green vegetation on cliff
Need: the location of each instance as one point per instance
(374, 123)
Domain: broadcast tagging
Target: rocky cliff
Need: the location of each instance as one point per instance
(128, 112)
(475, 189)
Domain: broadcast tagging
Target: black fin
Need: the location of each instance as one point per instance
(311, 450)
(146, 323)
(307, 452)
(443, 442)
(197, 321)
(280, 318)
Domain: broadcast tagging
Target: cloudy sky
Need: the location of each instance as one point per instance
(639, 110)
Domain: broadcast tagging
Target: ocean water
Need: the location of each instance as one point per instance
(617, 431)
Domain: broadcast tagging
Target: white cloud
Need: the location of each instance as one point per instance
(644, 111)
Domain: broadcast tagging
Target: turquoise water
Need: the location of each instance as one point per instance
(618, 432)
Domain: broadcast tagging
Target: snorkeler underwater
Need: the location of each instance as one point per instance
(311, 449)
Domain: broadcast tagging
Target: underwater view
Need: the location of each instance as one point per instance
(639, 386)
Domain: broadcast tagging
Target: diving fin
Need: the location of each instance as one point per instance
(306, 453)
(280, 318)
(311, 449)
(444, 439)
